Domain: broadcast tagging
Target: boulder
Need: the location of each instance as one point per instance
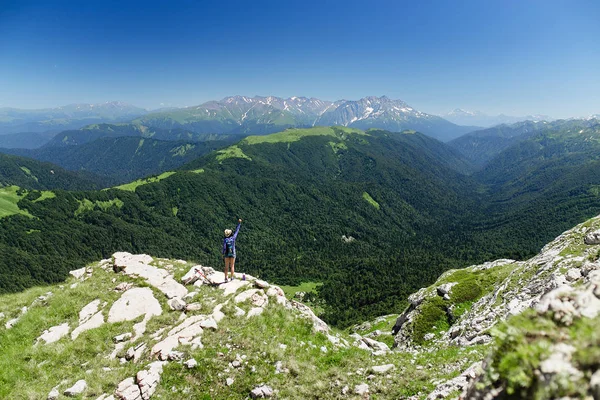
(592, 238)
(122, 337)
(54, 334)
(573, 274)
(134, 303)
(89, 310)
(53, 395)
(77, 389)
(191, 363)
(148, 380)
(375, 345)
(261, 392)
(128, 390)
(362, 389)
(232, 286)
(382, 369)
(78, 273)
(96, 321)
(177, 304)
(254, 312)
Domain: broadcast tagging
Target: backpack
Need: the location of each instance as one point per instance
(228, 247)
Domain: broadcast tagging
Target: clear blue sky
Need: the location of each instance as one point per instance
(515, 57)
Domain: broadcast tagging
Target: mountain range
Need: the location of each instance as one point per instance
(73, 116)
(478, 118)
(260, 115)
(235, 115)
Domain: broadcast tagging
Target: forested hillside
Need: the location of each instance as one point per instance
(124, 158)
(373, 216)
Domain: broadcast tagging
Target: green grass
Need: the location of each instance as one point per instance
(8, 202)
(294, 134)
(45, 194)
(133, 185)
(30, 372)
(198, 171)
(370, 200)
(306, 287)
(87, 205)
(231, 152)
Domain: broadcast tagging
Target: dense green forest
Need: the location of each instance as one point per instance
(124, 158)
(407, 201)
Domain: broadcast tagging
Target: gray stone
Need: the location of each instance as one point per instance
(177, 304)
(133, 304)
(53, 395)
(229, 381)
(573, 274)
(78, 273)
(362, 389)
(122, 337)
(96, 321)
(592, 238)
(382, 369)
(148, 380)
(261, 392)
(54, 334)
(428, 336)
(77, 389)
(191, 363)
(128, 390)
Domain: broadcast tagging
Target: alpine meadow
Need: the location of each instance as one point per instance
(299, 200)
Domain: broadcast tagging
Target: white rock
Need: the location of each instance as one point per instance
(175, 356)
(191, 276)
(54, 334)
(239, 312)
(53, 395)
(573, 274)
(137, 265)
(261, 284)
(209, 323)
(75, 390)
(232, 286)
(89, 310)
(592, 238)
(362, 389)
(122, 337)
(148, 380)
(78, 273)
(177, 304)
(191, 363)
(96, 321)
(193, 307)
(428, 336)
(382, 369)
(127, 389)
(134, 303)
(245, 296)
(255, 311)
(375, 345)
(261, 392)
(229, 381)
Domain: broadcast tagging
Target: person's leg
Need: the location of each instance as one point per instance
(232, 266)
(226, 267)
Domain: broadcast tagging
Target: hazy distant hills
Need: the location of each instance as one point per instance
(33, 174)
(72, 116)
(263, 115)
(483, 145)
(123, 158)
(477, 118)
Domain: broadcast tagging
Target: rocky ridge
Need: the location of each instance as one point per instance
(478, 304)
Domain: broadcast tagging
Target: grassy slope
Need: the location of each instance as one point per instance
(28, 371)
(8, 202)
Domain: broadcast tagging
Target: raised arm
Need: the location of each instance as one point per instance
(237, 229)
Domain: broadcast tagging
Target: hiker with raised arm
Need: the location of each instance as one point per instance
(229, 250)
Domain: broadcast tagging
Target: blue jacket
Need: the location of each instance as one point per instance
(231, 239)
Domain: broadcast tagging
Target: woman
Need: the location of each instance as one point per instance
(229, 250)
